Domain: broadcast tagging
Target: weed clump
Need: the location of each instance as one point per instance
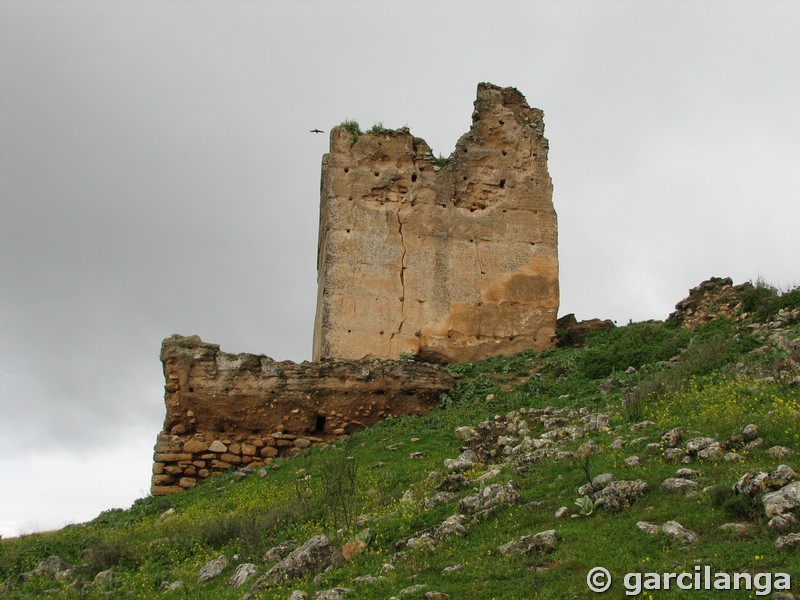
(353, 127)
(441, 160)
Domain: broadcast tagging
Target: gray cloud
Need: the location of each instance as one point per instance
(157, 176)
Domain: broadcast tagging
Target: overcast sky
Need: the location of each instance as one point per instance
(157, 176)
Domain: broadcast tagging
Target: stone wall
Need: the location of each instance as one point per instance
(450, 262)
(716, 297)
(226, 410)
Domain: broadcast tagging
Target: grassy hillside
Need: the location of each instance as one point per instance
(550, 423)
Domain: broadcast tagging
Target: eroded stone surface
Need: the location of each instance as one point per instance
(315, 555)
(449, 262)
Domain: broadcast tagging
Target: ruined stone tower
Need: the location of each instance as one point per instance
(451, 262)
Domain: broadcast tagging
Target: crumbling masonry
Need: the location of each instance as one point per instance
(232, 410)
(450, 262)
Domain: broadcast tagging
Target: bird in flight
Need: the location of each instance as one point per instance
(316, 131)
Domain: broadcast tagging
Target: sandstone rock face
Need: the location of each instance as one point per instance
(227, 410)
(451, 262)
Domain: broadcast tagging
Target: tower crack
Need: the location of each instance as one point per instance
(478, 258)
(402, 277)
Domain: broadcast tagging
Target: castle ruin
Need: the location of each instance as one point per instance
(448, 262)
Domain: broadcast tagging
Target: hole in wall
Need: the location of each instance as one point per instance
(413, 177)
(346, 170)
(504, 153)
(191, 389)
(377, 173)
(381, 332)
(380, 392)
(502, 183)
(502, 122)
(348, 231)
(319, 424)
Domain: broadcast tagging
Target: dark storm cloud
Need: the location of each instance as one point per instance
(157, 176)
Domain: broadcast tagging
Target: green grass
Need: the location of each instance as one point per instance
(353, 127)
(705, 391)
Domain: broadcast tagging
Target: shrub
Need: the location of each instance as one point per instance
(328, 486)
(631, 346)
(763, 300)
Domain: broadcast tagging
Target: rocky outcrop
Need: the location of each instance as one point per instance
(450, 260)
(226, 410)
(572, 332)
(538, 543)
(315, 555)
(713, 298)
